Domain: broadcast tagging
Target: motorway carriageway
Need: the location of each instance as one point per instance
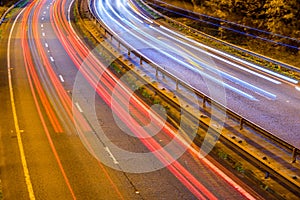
(268, 99)
(48, 86)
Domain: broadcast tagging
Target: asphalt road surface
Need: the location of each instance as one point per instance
(270, 100)
(44, 155)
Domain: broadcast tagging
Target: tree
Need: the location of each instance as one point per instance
(283, 17)
(7, 2)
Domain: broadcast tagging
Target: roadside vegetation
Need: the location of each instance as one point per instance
(7, 2)
(5, 5)
(2, 10)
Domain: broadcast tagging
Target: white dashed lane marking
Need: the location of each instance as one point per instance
(61, 78)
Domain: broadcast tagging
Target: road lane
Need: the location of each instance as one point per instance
(31, 128)
(77, 168)
(11, 166)
(47, 179)
(86, 70)
(15, 117)
(268, 100)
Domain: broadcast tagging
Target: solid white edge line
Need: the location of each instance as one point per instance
(78, 107)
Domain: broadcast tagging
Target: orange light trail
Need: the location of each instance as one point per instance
(75, 48)
(31, 73)
(32, 76)
(78, 52)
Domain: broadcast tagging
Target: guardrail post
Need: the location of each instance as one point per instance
(241, 123)
(156, 71)
(128, 52)
(204, 102)
(141, 60)
(294, 155)
(119, 45)
(177, 83)
(101, 27)
(163, 73)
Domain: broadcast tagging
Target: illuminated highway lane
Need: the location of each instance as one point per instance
(265, 98)
(191, 179)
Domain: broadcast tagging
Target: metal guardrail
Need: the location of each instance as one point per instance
(283, 144)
